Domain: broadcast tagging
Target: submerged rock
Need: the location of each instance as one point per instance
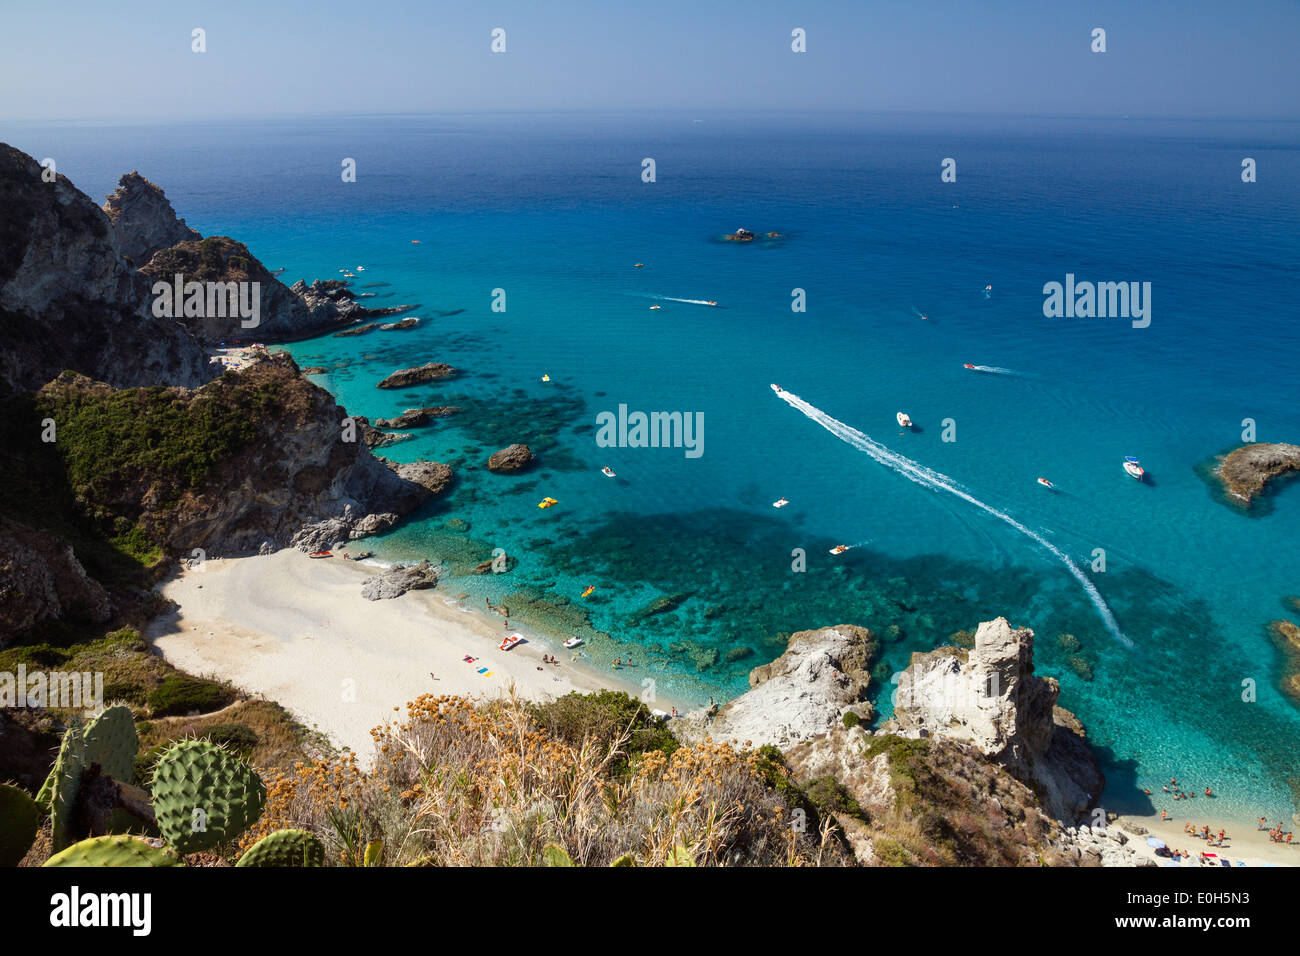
(406, 377)
(1286, 636)
(359, 330)
(1246, 472)
(415, 417)
(511, 459)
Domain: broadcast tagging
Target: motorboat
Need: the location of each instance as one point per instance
(608, 472)
(1045, 483)
(840, 548)
(969, 366)
(1134, 468)
(780, 503)
(574, 641)
(510, 642)
(776, 388)
(903, 420)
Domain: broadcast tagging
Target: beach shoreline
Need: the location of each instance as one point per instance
(298, 631)
(1245, 843)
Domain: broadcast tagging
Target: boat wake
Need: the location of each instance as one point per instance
(669, 298)
(995, 370)
(929, 478)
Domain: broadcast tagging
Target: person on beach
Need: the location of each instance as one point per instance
(1261, 823)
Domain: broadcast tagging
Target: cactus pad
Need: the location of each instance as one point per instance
(204, 796)
(285, 848)
(114, 851)
(65, 787)
(20, 818)
(111, 742)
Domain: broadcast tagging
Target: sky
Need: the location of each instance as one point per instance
(81, 60)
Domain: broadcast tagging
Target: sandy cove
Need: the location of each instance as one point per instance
(298, 631)
(1245, 843)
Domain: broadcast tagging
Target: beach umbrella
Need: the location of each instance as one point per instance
(1152, 841)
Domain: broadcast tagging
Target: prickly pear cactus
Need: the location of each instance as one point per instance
(556, 855)
(65, 786)
(20, 818)
(111, 742)
(285, 848)
(627, 859)
(680, 856)
(204, 796)
(114, 851)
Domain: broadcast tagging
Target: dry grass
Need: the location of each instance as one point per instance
(459, 783)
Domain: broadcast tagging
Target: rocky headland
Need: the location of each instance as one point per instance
(143, 219)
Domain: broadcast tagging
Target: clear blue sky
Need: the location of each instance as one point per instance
(87, 59)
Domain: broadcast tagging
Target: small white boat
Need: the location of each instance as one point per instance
(1045, 483)
(511, 641)
(607, 471)
(903, 420)
(361, 268)
(780, 503)
(574, 641)
(1134, 468)
(840, 548)
(776, 388)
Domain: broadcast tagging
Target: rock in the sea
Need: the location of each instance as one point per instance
(373, 437)
(42, 580)
(1247, 471)
(989, 696)
(399, 579)
(406, 377)
(315, 370)
(1287, 638)
(822, 675)
(433, 476)
(415, 417)
(69, 301)
(511, 459)
(400, 326)
(359, 330)
(143, 220)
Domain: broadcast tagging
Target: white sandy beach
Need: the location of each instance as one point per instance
(298, 631)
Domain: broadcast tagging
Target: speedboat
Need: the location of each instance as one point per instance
(903, 420)
(574, 641)
(607, 471)
(969, 366)
(361, 268)
(776, 388)
(840, 548)
(321, 554)
(711, 302)
(639, 265)
(653, 307)
(1134, 468)
(780, 503)
(547, 503)
(1045, 483)
(510, 642)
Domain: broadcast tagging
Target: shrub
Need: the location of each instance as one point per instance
(237, 737)
(605, 717)
(183, 694)
(850, 719)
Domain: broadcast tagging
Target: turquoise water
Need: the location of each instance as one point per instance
(553, 210)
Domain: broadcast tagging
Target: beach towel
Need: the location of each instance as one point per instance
(1155, 842)
(482, 670)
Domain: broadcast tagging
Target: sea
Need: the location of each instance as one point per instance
(567, 265)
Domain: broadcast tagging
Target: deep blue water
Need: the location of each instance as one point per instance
(554, 211)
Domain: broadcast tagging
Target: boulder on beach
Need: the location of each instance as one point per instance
(406, 377)
(399, 579)
(511, 459)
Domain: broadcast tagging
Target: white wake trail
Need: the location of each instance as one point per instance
(929, 478)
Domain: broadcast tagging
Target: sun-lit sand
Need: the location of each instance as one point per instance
(298, 632)
(1245, 843)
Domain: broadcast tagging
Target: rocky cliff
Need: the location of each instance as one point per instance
(247, 461)
(822, 675)
(42, 580)
(990, 698)
(68, 300)
(143, 220)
